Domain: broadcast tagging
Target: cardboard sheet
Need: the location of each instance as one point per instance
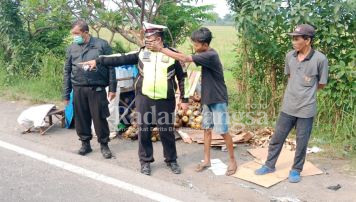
(283, 166)
(285, 161)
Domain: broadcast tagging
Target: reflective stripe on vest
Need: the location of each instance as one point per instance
(155, 74)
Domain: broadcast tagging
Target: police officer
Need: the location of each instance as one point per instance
(155, 96)
(90, 99)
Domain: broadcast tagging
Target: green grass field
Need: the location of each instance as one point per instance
(224, 38)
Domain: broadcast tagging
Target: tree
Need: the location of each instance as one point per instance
(12, 34)
(263, 42)
(125, 17)
(262, 28)
(227, 20)
(46, 22)
(29, 29)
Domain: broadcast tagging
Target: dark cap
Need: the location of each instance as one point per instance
(303, 30)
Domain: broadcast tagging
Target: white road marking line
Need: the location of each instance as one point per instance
(87, 173)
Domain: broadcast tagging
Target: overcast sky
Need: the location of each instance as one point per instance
(220, 6)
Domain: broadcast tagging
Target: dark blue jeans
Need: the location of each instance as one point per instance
(284, 125)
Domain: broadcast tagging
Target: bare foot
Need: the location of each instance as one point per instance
(231, 169)
(202, 166)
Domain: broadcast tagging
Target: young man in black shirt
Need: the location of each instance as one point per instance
(214, 93)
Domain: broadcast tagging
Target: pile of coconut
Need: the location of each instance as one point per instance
(191, 118)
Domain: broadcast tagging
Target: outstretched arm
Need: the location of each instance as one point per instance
(175, 55)
(130, 59)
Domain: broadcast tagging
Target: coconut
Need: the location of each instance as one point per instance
(185, 119)
(196, 98)
(189, 124)
(180, 113)
(189, 112)
(132, 135)
(198, 119)
(191, 117)
(126, 134)
(196, 113)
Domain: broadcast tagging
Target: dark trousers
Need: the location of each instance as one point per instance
(155, 112)
(284, 125)
(90, 103)
(125, 100)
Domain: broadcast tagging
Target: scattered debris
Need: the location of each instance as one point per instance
(112, 135)
(185, 137)
(258, 139)
(217, 140)
(252, 188)
(224, 148)
(284, 199)
(188, 127)
(314, 149)
(190, 184)
(263, 136)
(217, 167)
(335, 188)
(244, 136)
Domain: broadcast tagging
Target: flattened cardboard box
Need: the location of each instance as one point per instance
(285, 161)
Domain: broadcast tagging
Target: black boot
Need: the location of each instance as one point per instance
(105, 150)
(85, 148)
(146, 168)
(174, 167)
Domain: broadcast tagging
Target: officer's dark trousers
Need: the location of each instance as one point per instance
(284, 125)
(152, 112)
(90, 103)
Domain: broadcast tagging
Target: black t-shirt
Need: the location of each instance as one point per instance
(213, 84)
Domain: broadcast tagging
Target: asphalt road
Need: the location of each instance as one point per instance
(47, 168)
(32, 172)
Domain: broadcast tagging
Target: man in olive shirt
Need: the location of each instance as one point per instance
(307, 70)
(90, 100)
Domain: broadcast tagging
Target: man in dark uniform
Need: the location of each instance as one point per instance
(155, 96)
(90, 98)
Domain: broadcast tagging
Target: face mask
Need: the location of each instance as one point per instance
(78, 39)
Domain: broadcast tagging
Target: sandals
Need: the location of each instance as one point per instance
(201, 167)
